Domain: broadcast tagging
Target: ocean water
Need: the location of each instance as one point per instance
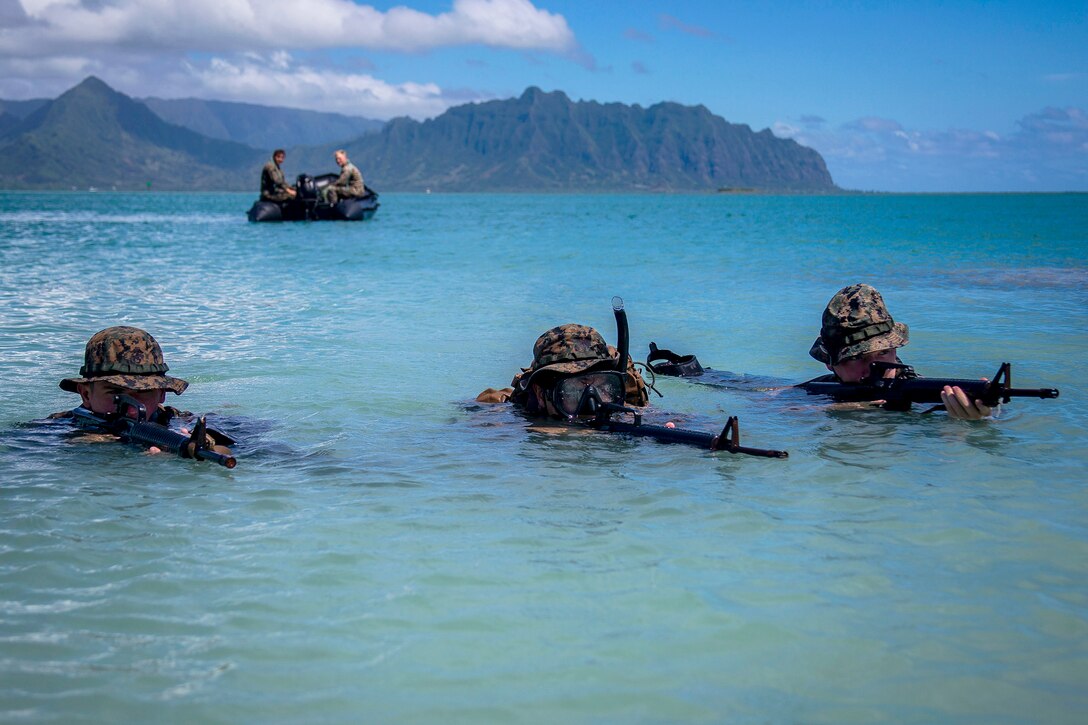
(389, 551)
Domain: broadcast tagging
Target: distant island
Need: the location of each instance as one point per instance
(94, 136)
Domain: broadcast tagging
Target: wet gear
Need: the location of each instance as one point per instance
(127, 357)
(201, 445)
(907, 388)
(569, 394)
(572, 349)
(667, 362)
(604, 419)
(855, 322)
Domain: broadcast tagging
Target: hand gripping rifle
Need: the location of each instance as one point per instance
(907, 388)
(728, 440)
(141, 431)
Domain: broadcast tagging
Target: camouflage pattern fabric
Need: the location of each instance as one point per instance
(572, 349)
(127, 357)
(273, 183)
(349, 185)
(856, 322)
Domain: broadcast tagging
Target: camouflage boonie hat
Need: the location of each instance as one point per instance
(856, 322)
(567, 349)
(126, 357)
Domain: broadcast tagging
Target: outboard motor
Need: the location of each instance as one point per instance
(322, 181)
(304, 185)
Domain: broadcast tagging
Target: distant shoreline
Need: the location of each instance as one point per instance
(579, 192)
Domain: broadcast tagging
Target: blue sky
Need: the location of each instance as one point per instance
(920, 96)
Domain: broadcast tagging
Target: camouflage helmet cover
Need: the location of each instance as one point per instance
(856, 322)
(567, 349)
(127, 357)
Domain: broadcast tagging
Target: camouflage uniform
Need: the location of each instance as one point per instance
(131, 358)
(273, 184)
(349, 185)
(570, 350)
(856, 322)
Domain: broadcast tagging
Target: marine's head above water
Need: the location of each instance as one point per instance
(856, 331)
(566, 360)
(123, 360)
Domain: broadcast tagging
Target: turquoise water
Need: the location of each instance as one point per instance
(388, 551)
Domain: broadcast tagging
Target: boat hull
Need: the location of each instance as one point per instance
(308, 205)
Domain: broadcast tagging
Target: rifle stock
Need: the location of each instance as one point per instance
(143, 432)
(906, 388)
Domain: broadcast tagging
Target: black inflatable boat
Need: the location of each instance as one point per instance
(308, 206)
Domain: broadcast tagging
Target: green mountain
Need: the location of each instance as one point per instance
(545, 142)
(94, 136)
(262, 127)
(22, 109)
(8, 123)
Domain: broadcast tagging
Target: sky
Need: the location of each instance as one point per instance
(919, 96)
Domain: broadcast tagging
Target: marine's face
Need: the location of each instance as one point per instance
(98, 397)
(856, 369)
(341, 159)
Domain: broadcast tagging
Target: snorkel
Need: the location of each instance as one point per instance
(622, 335)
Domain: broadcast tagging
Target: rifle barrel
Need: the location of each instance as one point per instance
(692, 437)
(673, 435)
(924, 390)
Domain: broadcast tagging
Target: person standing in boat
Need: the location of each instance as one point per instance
(274, 186)
(349, 185)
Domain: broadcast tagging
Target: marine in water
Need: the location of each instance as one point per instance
(567, 359)
(857, 331)
(579, 379)
(127, 363)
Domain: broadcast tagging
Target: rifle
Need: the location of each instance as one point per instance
(141, 431)
(728, 440)
(907, 387)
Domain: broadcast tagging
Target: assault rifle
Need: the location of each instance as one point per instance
(728, 440)
(603, 412)
(907, 388)
(141, 431)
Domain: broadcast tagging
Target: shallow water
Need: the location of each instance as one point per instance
(389, 551)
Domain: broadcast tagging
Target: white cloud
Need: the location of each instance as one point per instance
(281, 82)
(246, 50)
(233, 25)
(1048, 151)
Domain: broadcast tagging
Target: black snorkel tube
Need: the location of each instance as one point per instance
(623, 339)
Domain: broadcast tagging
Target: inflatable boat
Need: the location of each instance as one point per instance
(308, 205)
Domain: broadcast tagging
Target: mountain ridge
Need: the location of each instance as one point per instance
(91, 135)
(260, 126)
(541, 141)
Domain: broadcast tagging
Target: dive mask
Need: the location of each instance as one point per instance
(583, 394)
